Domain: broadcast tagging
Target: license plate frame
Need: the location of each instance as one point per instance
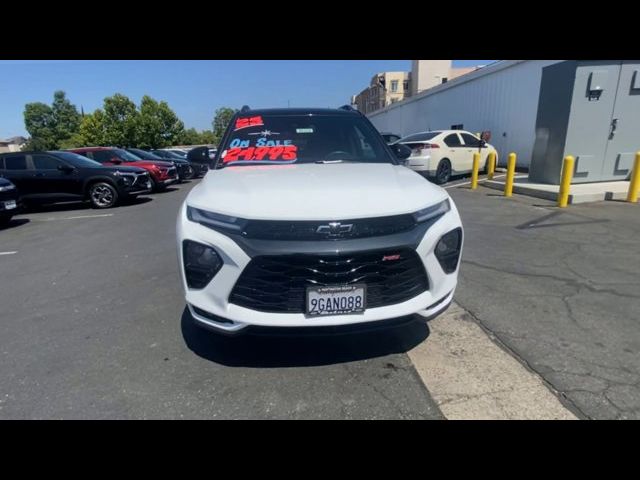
(331, 292)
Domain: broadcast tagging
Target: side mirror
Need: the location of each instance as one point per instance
(401, 151)
(66, 168)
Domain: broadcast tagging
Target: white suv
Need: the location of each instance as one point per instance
(298, 225)
(439, 154)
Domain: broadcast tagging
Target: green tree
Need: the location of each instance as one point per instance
(66, 119)
(207, 136)
(92, 129)
(39, 122)
(222, 118)
(90, 133)
(189, 137)
(120, 118)
(156, 124)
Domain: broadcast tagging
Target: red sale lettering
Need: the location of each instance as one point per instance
(275, 153)
(261, 152)
(232, 155)
(290, 152)
(249, 122)
(246, 154)
(239, 154)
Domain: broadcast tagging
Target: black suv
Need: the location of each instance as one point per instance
(49, 177)
(185, 172)
(8, 201)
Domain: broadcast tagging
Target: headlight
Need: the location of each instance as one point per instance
(7, 188)
(448, 250)
(201, 263)
(432, 212)
(216, 221)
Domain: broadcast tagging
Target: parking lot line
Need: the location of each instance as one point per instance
(471, 377)
(50, 219)
(7, 253)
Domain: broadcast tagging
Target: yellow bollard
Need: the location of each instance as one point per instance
(634, 184)
(565, 182)
(491, 167)
(474, 172)
(511, 172)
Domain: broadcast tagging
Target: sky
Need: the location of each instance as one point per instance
(194, 89)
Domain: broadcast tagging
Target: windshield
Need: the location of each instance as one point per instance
(307, 138)
(126, 156)
(144, 154)
(78, 160)
(419, 137)
(168, 154)
(178, 153)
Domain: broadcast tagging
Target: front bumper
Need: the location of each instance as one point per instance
(139, 185)
(210, 306)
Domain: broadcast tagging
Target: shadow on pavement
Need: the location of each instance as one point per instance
(75, 206)
(166, 190)
(14, 222)
(291, 350)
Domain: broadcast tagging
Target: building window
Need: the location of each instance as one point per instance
(394, 86)
(444, 79)
(405, 85)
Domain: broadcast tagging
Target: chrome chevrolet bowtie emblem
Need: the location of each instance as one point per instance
(334, 229)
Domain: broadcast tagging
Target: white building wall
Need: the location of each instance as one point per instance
(502, 98)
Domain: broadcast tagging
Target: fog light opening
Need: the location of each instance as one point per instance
(447, 250)
(201, 263)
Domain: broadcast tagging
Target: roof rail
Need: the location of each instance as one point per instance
(245, 108)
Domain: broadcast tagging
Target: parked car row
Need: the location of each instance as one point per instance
(441, 154)
(103, 176)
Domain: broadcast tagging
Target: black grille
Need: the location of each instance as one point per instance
(320, 230)
(279, 283)
(10, 195)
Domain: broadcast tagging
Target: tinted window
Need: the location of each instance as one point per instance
(419, 137)
(77, 160)
(102, 156)
(15, 162)
(125, 156)
(45, 162)
(470, 140)
(303, 139)
(144, 154)
(452, 140)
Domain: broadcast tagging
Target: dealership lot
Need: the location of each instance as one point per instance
(94, 324)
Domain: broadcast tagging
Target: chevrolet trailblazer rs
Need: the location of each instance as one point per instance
(308, 220)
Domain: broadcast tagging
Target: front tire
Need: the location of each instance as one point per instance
(443, 172)
(157, 186)
(103, 195)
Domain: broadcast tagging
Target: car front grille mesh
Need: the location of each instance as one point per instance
(279, 283)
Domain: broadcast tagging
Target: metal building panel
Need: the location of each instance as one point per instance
(624, 140)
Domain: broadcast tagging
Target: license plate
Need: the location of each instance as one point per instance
(339, 300)
(10, 205)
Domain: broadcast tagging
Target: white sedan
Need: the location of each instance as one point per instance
(440, 154)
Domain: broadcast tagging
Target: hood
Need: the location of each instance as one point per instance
(157, 163)
(126, 169)
(314, 191)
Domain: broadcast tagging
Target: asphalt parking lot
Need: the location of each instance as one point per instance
(94, 322)
(94, 326)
